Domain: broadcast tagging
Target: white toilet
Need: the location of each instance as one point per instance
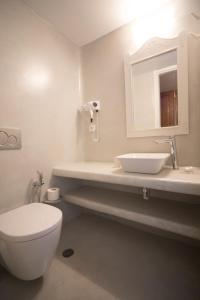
(29, 236)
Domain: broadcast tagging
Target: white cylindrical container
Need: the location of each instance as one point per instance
(53, 194)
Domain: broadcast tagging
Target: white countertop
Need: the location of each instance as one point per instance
(168, 179)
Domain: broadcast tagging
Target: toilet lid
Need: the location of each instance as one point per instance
(29, 222)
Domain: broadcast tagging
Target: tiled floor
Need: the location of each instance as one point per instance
(112, 261)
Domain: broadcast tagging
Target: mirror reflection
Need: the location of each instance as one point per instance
(168, 99)
(154, 82)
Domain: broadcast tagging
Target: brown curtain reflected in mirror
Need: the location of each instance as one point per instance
(169, 108)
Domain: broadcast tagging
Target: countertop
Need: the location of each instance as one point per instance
(170, 180)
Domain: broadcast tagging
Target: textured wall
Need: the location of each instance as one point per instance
(39, 93)
(103, 78)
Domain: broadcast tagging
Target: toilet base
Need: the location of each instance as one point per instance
(30, 259)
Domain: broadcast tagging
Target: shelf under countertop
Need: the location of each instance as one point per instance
(176, 218)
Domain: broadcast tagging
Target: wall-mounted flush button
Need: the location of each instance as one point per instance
(3, 138)
(10, 138)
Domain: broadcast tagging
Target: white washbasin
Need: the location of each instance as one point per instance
(150, 163)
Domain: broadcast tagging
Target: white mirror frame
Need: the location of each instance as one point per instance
(150, 49)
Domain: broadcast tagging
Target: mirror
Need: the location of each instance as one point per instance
(157, 88)
(168, 97)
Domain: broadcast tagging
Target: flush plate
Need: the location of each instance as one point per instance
(10, 138)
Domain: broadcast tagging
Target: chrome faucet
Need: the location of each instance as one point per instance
(173, 151)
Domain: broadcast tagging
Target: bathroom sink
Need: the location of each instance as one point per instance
(150, 163)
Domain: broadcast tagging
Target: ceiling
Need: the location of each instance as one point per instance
(83, 21)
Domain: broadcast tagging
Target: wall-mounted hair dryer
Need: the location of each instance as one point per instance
(93, 107)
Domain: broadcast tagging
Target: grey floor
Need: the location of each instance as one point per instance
(112, 261)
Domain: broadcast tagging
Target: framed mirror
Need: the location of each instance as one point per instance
(156, 82)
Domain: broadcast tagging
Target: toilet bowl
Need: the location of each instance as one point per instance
(29, 236)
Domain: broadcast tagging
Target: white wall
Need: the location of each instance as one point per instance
(103, 78)
(39, 93)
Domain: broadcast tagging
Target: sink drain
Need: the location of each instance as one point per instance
(68, 252)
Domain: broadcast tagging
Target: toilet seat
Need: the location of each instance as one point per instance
(29, 222)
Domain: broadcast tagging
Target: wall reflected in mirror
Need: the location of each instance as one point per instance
(154, 83)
